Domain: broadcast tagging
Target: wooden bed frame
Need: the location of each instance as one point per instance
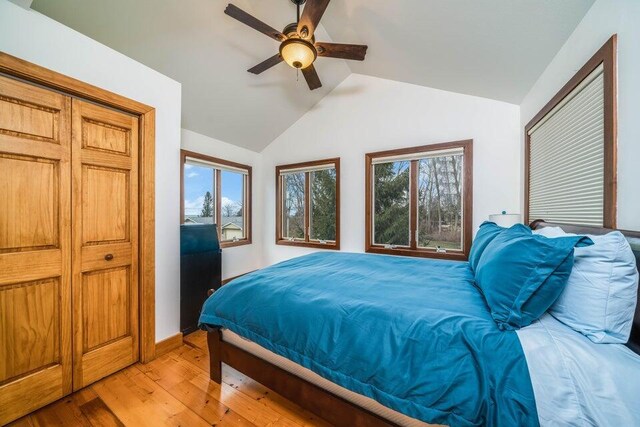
(327, 405)
(317, 400)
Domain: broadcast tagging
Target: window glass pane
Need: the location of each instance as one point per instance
(199, 195)
(232, 224)
(293, 209)
(323, 205)
(391, 203)
(440, 202)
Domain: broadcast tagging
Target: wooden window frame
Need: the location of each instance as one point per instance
(467, 208)
(246, 208)
(606, 56)
(307, 243)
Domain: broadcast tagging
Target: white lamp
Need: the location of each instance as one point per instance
(505, 219)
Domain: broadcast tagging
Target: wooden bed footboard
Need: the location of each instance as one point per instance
(324, 404)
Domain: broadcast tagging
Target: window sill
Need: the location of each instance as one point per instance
(420, 253)
(231, 244)
(333, 246)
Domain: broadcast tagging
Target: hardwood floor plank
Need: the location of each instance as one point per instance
(137, 400)
(261, 393)
(99, 414)
(64, 412)
(175, 378)
(83, 396)
(198, 356)
(174, 390)
(260, 415)
(22, 422)
(175, 369)
(196, 339)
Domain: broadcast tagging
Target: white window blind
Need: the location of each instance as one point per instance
(200, 162)
(305, 169)
(419, 156)
(566, 158)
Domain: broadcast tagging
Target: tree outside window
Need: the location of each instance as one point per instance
(308, 201)
(419, 201)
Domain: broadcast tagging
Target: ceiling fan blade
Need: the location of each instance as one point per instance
(311, 76)
(256, 24)
(265, 65)
(313, 11)
(344, 51)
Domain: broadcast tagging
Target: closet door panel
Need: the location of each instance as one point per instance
(105, 230)
(106, 205)
(27, 349)
(29, 120)
(35, 265)
(30, 196)
(106, 306)
(32, 113)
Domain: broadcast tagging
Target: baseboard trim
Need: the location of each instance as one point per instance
(168, 344)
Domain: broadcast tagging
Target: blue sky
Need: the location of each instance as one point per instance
(198, 180)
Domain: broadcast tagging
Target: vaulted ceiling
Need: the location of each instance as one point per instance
(489, 48)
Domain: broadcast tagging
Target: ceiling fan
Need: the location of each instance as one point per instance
(298, 46)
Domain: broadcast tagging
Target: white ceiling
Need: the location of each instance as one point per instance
(490, 48)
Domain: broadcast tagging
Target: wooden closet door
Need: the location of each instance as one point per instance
(105, 241)
(35, 263)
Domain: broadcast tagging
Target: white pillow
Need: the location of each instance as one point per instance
(599, 300)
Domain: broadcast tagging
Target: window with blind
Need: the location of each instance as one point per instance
(216, 191)
(418, 201)
(308, 204)
(570, 150)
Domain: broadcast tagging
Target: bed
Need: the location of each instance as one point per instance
(377, 340)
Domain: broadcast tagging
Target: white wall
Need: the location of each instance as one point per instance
(365, 114)
(239, 259)
(35, 38)
(605, 18)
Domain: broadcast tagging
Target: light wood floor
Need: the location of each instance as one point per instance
(174, 390)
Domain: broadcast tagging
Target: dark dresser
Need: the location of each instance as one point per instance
(200, 270)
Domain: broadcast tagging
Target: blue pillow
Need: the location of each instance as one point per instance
(605, 276)
(487, 232)
(521, 274)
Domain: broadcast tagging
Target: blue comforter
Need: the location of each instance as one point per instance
(413, 334)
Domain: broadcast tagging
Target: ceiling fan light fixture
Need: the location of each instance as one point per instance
(298, 53)
(298, 47)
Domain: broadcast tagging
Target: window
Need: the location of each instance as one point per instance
(419, 201)
(216, 191)
(570, 149)
(308, 204)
